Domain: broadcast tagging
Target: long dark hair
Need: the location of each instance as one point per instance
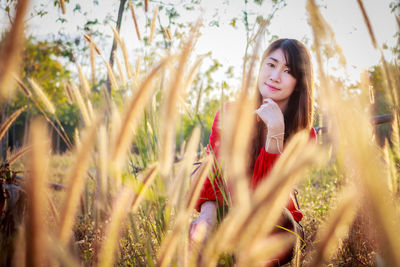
(299, 112)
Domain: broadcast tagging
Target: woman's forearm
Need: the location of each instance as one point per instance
(274, 140)
(209, 209)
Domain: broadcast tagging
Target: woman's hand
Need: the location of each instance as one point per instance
(207, 220)
(270, 113)
(272, 116)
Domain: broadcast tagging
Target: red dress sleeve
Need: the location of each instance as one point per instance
(263, 166)
(212, 185)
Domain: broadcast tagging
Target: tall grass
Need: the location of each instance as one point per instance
(134, 206)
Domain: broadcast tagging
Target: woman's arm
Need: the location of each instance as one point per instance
(207, 218)
(272, 116)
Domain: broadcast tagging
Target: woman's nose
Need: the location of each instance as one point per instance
(275, 75)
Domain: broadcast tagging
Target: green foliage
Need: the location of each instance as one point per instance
(44, 62)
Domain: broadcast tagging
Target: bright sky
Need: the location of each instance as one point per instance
(226, 43)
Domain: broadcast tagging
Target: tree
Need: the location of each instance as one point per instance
(44, 62)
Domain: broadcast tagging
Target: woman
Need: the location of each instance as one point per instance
(285, 107)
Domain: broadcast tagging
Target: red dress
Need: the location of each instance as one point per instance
(264, 163)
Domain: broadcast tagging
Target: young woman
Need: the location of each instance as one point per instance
(285, 107)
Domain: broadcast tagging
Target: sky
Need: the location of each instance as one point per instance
(227, 43)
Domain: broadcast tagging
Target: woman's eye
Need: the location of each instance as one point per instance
(288, 71)
(270, 65)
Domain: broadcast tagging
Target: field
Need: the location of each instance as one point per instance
(124, 193)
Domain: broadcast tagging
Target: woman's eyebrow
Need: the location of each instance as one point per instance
(276, 60)
(273, 59)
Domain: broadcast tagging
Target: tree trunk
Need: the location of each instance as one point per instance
(114, 45)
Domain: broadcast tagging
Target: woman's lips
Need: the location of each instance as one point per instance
(272, 88)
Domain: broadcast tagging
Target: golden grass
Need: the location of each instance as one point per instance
(161, 195)
(81, 104)
(169, 106)
(336, 228)
(119, 212)
(133, 110)
(153, 24)
(42, 96)
(367, 23)
(17, 154)
(113, 80)
(62, 6)
(36, 228)
(84, 82)
(8, 122)
(168, 34)
(135, 20)
(120, 71)
(22, 86)
(76, 182)
(10, 51)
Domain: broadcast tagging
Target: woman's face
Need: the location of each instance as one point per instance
(275, 80)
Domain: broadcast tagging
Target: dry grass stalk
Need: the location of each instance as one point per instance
(392, 169)
(84, 81)
(69, 93)
(8, 122)
(135, 20)
(246, 225)
(367, 22)
(197, 182)
(42, 96)
(36, 232)
(81, 104)
(92, 63)
(128, 65)
(77, 139)
(192, 73)
(169, 107)
(19, 258)
(146, 5)
(179, 183)
(134, 108)
(17, 154)
(76, 182)
(53, 209)
(138, 62)
(265, 251)
(353, 145)
(153, 25)
(168, 34)
(103, 164)
(10, 51)
(62, 5)
(387, 77)
(90, 109)
(336, 227)
(113, 230)
(168, 247)
(321, 31)
(395, 136)
(22, 86)
(120, 71)
(237, 130)
(107, 99)
(90, 40)
(147, 180)
(125, 54)
(116, 35)
(113, 80)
